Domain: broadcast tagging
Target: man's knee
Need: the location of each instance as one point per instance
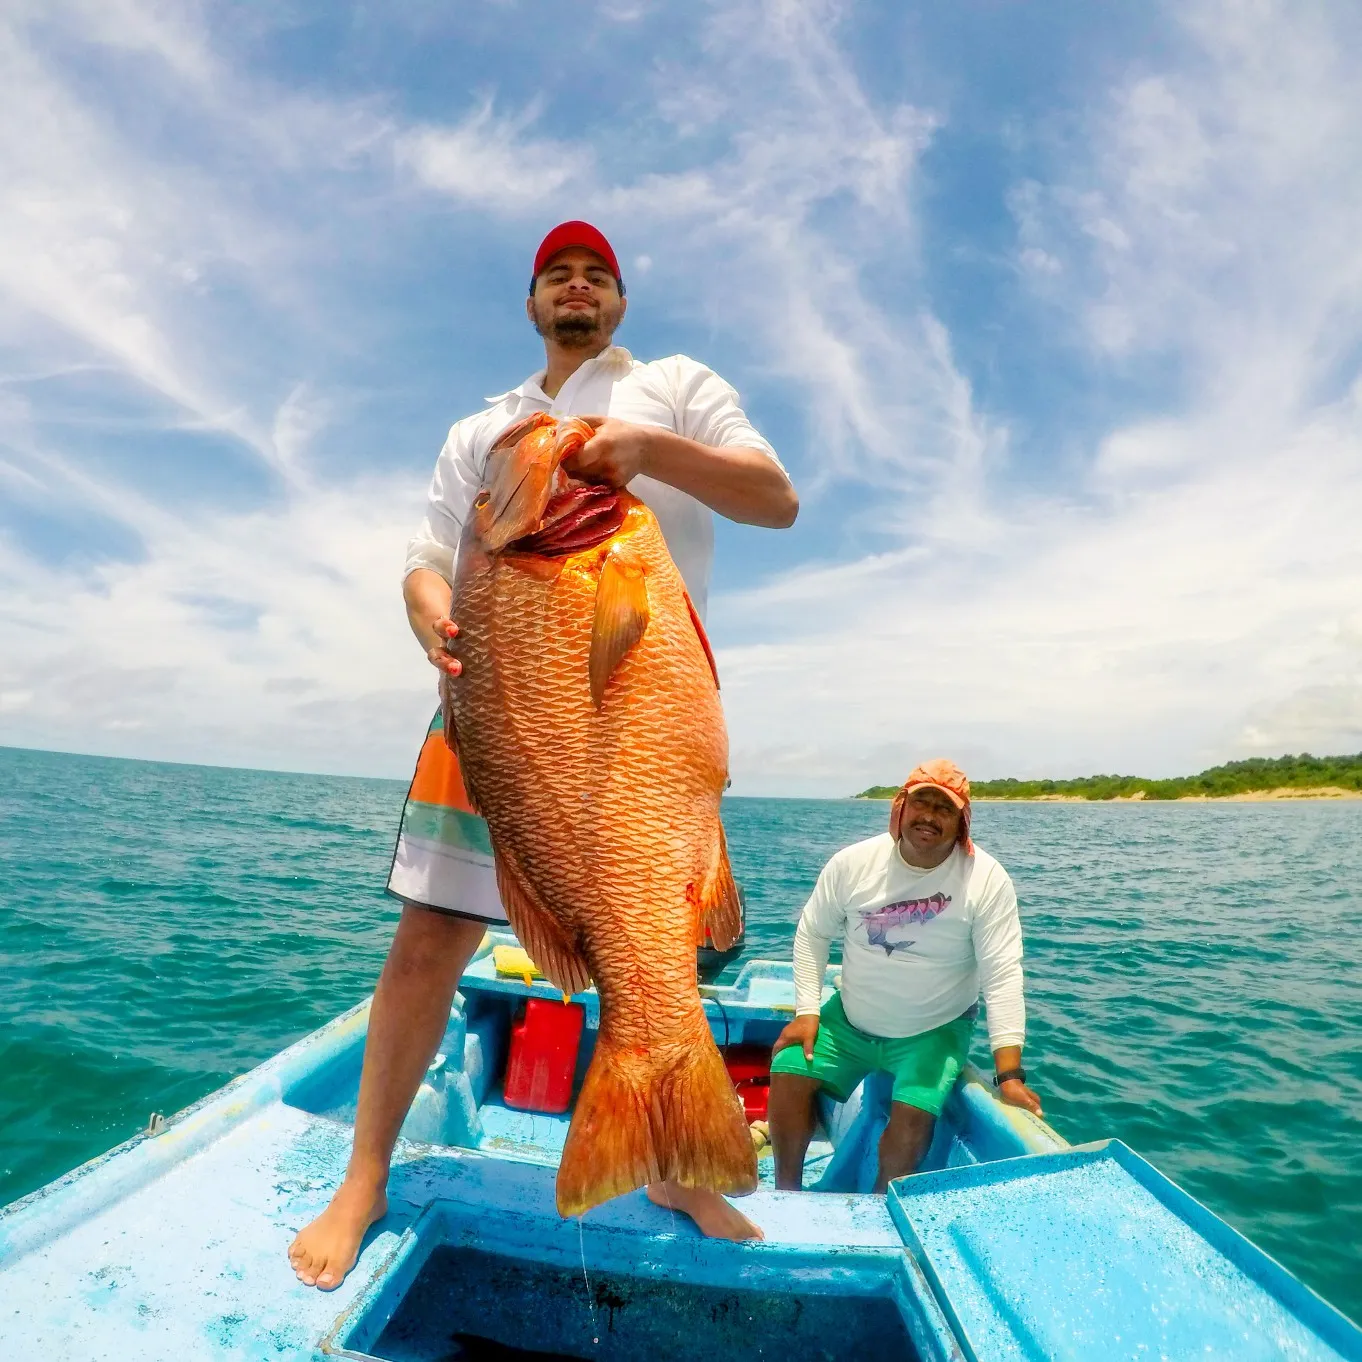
(792, 1092)
(910, 1120)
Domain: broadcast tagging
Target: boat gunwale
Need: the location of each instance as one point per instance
(52, 1210)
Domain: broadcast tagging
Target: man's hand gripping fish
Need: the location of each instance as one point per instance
(590, 735)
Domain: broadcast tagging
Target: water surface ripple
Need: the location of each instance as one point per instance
(1194, 971)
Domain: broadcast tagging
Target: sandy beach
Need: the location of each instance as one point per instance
(1139, 797)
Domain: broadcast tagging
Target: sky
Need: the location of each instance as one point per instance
(1053, 311)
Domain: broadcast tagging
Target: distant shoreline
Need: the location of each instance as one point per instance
(1255, 780)
(1316, 793)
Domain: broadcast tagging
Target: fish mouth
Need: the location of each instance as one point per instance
(584, 515)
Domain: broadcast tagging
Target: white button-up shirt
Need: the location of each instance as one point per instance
(676, 394)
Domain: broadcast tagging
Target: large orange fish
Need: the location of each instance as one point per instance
(588, 727)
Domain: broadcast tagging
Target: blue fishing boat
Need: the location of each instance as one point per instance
(1010, 1244)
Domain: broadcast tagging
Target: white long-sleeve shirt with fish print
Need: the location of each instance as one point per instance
(918, 946)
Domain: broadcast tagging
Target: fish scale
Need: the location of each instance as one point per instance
(604, 818)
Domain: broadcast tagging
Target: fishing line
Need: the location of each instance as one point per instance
(590, 1304)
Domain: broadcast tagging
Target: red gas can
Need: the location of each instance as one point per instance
(749, 1066)
(543, 1057)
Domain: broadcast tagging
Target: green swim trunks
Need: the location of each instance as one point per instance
(924, 1067)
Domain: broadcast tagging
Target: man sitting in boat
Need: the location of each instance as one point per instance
(673, 432)
(926, 919)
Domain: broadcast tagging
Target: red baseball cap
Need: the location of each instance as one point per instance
(575, 234)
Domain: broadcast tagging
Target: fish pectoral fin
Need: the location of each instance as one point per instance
(449, 727)
(720, 907)
(703, 637)
(559, 961)
(621, 617)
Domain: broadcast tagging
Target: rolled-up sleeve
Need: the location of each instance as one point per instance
(707, 410)
(452, 489)
(997, 940)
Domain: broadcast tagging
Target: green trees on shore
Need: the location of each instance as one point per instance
(1235, 777)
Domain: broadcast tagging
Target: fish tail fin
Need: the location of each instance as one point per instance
(652, 1116)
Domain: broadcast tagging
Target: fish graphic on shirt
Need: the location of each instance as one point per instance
(896, 916)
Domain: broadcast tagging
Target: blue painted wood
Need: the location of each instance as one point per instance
(173, 1245)
(1092, 1255)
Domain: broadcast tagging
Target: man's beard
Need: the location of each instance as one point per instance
(575, 331)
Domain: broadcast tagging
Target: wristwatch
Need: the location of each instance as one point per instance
(1000, 1079)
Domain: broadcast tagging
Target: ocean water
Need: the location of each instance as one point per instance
(1194, 971)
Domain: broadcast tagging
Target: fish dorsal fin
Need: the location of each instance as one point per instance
(621, 617)
(720, 908)
(559, 961)
(704, 637)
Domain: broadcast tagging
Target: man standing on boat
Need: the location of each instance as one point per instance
(926, 919)
(673, 433)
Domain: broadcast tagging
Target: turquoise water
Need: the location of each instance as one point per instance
(1194, 971)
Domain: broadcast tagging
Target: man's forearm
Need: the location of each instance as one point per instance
(426, 594)
(1006, 1058)
(741, 484)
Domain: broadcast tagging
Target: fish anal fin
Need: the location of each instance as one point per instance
(703, 637)
(720, 907)
(559, 961)
(655, 1114)
(621, 617)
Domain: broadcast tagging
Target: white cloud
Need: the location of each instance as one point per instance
(782, 238)
(143, 658)
(491, 162)
(98, 243)
(1193, 596)
(242, 636)
(772, 238)
(1190, 595)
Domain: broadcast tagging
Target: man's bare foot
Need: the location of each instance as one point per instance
(325, 1251)
(715, 1216)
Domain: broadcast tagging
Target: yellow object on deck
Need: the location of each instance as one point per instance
(513, 962)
